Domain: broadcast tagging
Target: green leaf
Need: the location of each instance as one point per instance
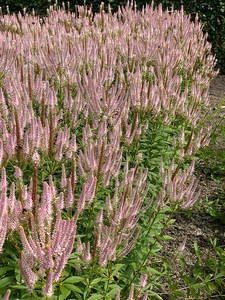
(74, 279)
(117, 268)
(95, 297)
(75, 262)
(29, 297)
(64, 291)
(112, 293)
(166, 238)
(95, 281)
(211, 286)
(72, 288)
(3, 270)
(195, 246)
(156, 248)
(13, 255)
(219, 275)
(5, 281)
(198, 285)
(179, 293)
(11, 262)
(18, 287)
(155, 295)
(153, 271)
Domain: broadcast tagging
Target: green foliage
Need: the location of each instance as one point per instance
(40, 6)
(84, 280)
(212, 165)
(204, 280)
(216, 206)
(207, 274)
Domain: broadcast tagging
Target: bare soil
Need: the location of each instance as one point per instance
(198, 225)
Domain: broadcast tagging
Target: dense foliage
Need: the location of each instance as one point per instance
(100, 120)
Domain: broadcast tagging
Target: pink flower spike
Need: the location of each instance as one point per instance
(72, 147)
(143, 281)
(48, 289)
(49, 261)
(1, 152)
(3, 230)
(145, 296)
(91, 188)
(36, 158)
(131, 294)
(60, 201)
(46, 201)
(29, 277)
(7, 294)
(118, 295)
(70, 196)
(182, 245)
(87, 253)
(60, 266)
(63, 181)
(3, 181)
(27, 250)
(82, 199)
(99, 218)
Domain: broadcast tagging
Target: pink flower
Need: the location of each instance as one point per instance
(48, 289)
(18, 173)
(7, 294)
(143, 281)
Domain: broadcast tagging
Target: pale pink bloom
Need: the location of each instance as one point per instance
(48, 289)
(143, 281)
(182, 245)
(7, 294)
(30, 278)
(131, 294)
(63, 181)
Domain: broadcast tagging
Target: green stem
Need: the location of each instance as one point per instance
(58, 293)
(91, 213)
(109, 276)
(150, 249)
(51, 134)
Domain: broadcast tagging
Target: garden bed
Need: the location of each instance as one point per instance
(102, 119)
(203, 222)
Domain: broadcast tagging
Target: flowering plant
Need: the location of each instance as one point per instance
(92, 108)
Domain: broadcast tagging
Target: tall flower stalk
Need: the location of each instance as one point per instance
(75, 102)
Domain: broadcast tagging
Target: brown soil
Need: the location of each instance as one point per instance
(199, 226)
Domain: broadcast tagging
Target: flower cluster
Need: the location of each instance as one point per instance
(76, 89)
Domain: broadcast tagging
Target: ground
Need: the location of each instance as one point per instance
(198, 225)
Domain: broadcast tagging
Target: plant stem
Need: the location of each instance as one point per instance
(151, 247)
(109, 276)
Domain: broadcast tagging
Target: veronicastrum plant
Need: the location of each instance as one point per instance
(100, 119)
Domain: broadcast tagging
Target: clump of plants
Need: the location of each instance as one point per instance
(100, 119)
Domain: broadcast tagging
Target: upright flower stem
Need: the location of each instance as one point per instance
(101, 160)
(18, 137)
(94, 201)
(51, 134)
(145, 258)
(101, 80)
(109, 270)
(90, 218)
(34, 190)
(73, 173)
(43, 112)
